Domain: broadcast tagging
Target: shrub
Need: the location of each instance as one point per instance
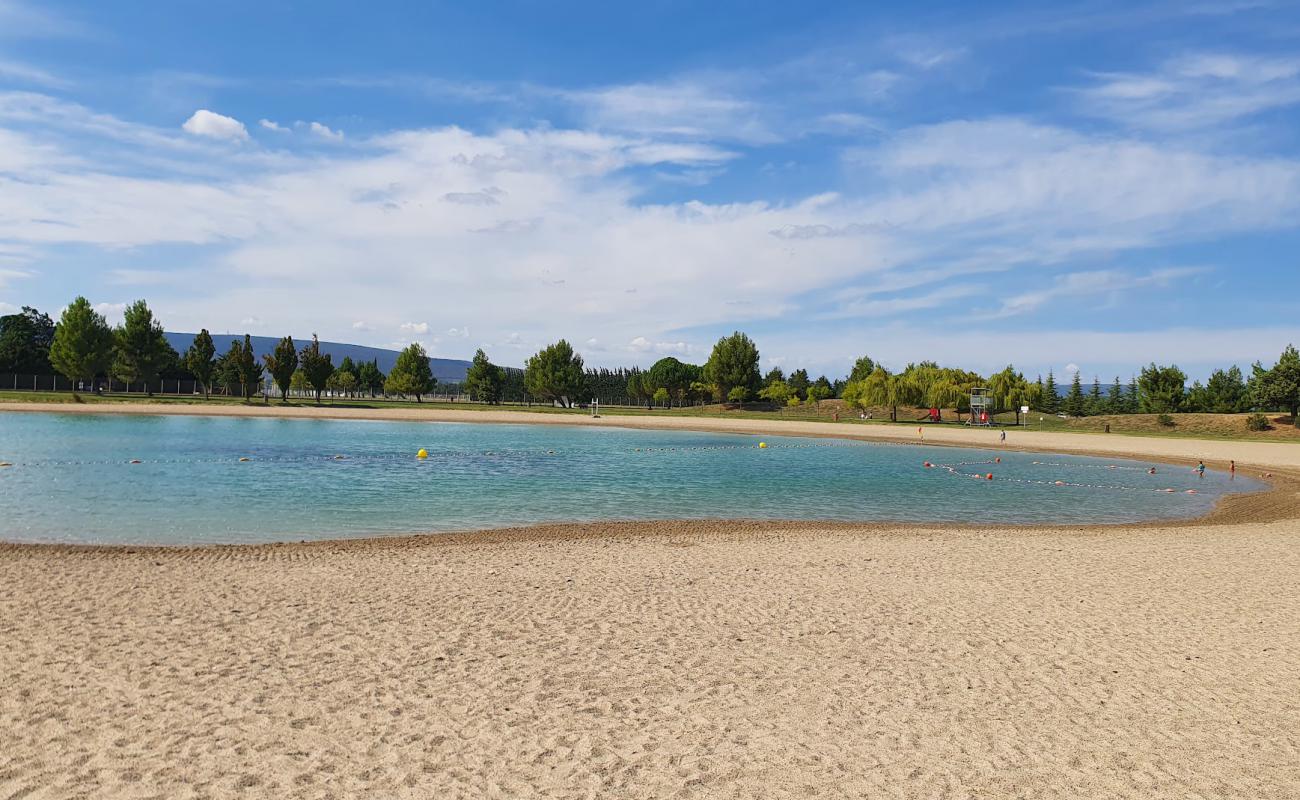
(1257, 422)
(1165, 420)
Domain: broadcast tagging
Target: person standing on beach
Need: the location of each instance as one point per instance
(1004, 436)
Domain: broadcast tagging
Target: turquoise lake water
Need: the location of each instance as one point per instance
(71, 480)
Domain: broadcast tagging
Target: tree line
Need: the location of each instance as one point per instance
(84, 348)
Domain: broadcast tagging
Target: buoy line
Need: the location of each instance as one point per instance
(436, 455)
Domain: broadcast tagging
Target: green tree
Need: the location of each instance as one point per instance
(638, 390)
(671, 374)
(1115, 401)
(370, 378)
(555, 374)
(738, 395)
(411, 375)
(25, 340)
(733, 363)
(799, 383)
(1278, 387)
(862, 368)
(880, 388)
(243, 361)
(773, 375)
(1161, 389)
(316, 366)
(1010, 390)
(1096, 405)
(83, 342)
(346, 365)
(1197, 399)
(1051, 395)
(342, 381)
(139, 347)
(1075, 405)
(484, 381)
(945, 394)
(1226, 391)
(282, 364)
(661, 396)
(776, 392)
(200, 360)
(298, 383)
(819, 390)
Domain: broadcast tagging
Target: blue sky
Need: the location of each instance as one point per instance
(1091, 186)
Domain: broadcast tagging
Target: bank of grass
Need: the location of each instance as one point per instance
(1192, 426)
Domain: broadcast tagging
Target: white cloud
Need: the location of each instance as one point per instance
(9, 275)
(215, 126)
(1194, 91)
(361, 326)
(19, 72)
(683, 108)
(1090, 283)
(459, 333)
(113, 312)
(325, 132)
(272, 126)
(367, 233)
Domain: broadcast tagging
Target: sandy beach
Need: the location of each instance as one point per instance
(706, 659)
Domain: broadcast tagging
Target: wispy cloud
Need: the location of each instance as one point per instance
(1091, 284)
(1194, 91)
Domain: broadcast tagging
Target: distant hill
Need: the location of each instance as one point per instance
(446, 370)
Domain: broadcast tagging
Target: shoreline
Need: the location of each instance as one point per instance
(1280, 501)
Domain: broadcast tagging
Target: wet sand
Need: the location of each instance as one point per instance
(674, 659)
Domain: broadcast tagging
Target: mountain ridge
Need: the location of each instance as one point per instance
(446, 370)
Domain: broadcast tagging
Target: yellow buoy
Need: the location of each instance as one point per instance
(762, 444)
(422, 454)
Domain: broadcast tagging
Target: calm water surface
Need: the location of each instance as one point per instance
(71, 480)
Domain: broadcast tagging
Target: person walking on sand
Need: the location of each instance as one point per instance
(1004, 437)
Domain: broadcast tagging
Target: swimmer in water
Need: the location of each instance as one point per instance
(1151, 471)
(1200, 468)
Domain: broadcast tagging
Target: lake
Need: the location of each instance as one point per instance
(216, 480)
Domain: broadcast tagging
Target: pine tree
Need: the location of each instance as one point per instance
(316, 366)
(282, 364)
(1051, 396)
(83, 342)
(139, 347)
(250, 372)
(1115, 399)
(1095, 404)
(1132, 403)
(484, 380)
(1075, 405)
(411, 374)
(199, 360)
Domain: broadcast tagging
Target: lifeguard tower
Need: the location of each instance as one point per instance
(981, 407)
